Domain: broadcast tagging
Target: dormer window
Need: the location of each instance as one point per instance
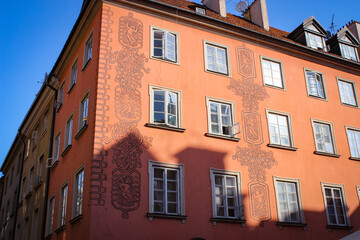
(344, 44)
(310, 33)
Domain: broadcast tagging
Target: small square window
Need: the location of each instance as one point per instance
(63, 205)
(348, 52)
(221, 117)
(280, 128)
(216, 58)
(226, 194)
(73, 75)
(347, 93)
(165, 106)
(78, 193)
(164, 44)
(272, 73)
(83, 119)
(354, 141)
(288, 199)
(335, 204)
(68, 133)
(324, 137)
(315, 84)
(166, 187)
(88, 50)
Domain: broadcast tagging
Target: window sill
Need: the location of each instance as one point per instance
(354, 158)
(85, 65)
(49, 236)
(229, 220)
(329, 227)
(165, 60)
(164, 126)
(28, 195)
(54, 164)
(222, 137)
(282, 147)
(319, 98)
(81, 131)
(20, 204)
(274, 87)
(43, 134)
(66, 150)
(151, 216)
(76, 219)
(218, 73)
(71, 88)
(327, 154)
(58, 109)
(60, 229)
(291, 224)
(38, 185)
(349, 105)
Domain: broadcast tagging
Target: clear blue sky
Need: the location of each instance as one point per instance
(33, 32)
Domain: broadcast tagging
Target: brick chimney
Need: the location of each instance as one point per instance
(257, 13)
(218, 6)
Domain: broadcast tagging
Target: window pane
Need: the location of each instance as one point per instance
(159, 117)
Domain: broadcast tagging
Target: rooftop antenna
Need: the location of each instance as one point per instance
(332, 26)
(242, 6)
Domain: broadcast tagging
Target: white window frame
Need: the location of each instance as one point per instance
(78, 198)
(357, 146)
(57, 142)
(306, 70)
(309, 41)
(69, 127)
(164, 47)
(233, 120)
(227, 58)
(153, 88)
(289, 126)
(345, 49)
(239, 208)
(61, 95)
(299, 198)
(73, 74)
(282, 75)
(63, 203)
(332, 134)
(88, 46)
(180, 187)
(28, 148)
(341, 187)
(50, 215)
(358, 192)
(353, 91)
(83, 119)
(45, 122)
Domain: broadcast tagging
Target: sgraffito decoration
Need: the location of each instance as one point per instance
(256, 159)
(129, 143)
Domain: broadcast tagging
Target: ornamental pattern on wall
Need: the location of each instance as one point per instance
(129, 143)
(256, 159)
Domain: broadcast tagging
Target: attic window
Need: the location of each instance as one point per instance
(200, 10)
(315, 41)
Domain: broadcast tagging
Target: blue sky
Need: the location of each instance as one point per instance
(33, 32)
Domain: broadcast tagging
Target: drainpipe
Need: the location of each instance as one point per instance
(43, 224)
(21, 136)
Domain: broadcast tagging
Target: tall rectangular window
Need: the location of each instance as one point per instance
(73, 75)
(78, 193)
(216, 58)
(226, 194)
(354, 141)
(288, 199)
(166, 188)
(347, 92)
(35, 135)
(31, 179)
(61, 95)
(164, 45)
(84, 112)
(57, 148)
(335, 204)
(165, 106)
(324, 137)
(280, 128)
(68, 135)
(88, 50)
(63, 205)
(50, 217)
(28, 148)
(220, 116)
(315, 84)
(272, 73)
(45, 122)
(40, 167)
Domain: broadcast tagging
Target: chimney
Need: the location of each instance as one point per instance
(218, 6)
(257, 13)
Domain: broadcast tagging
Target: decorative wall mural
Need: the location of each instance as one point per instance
(256, 159)
(127, 150)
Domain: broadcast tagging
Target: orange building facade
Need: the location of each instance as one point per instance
(175, 122)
